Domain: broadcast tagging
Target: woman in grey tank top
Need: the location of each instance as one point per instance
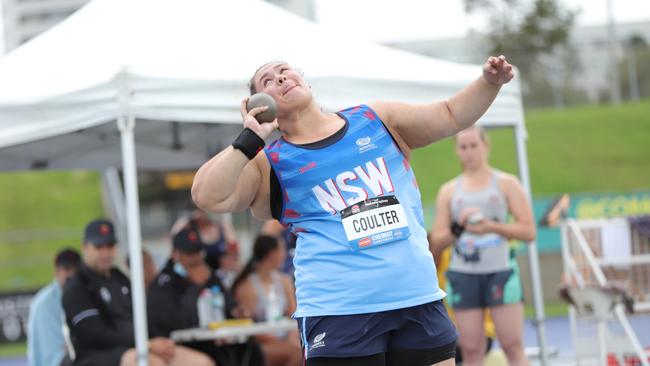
(472, 213)
(268, 294)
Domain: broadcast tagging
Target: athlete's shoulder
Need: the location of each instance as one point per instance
(364, 111)
(449, 187)
(505, 179)
(353, 109)
(274, 145)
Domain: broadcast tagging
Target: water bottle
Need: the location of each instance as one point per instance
(217, 304)
(273, 309)
(204, 308)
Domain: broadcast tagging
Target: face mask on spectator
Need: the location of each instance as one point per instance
(180, 270)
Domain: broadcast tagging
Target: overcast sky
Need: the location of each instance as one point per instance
(391, 20)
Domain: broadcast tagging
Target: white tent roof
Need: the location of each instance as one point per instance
(189, 61)
(165, 62)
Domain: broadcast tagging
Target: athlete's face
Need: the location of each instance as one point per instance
(285, 84)
(471, 148)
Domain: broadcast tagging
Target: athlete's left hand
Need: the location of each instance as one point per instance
(482, 227)
(497, 71)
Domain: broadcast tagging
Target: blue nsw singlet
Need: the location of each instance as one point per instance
(355, 208)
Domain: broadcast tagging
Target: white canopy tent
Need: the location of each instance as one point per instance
(178, 69)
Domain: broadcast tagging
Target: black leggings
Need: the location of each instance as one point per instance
(394, 357)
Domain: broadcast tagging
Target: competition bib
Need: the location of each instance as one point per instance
(373, 222)
(472, 241)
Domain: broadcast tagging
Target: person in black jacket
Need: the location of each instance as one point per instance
(173, 295)
(97, 305)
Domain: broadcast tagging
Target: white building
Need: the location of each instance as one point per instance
(590, 43)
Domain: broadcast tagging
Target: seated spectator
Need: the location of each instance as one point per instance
(264, 291)
(148, 266)
(97, 305)
(45, 340)
(174, 294)
(221, 247)
(276, 229)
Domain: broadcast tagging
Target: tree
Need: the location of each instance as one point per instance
(526, 31)
(637, 57)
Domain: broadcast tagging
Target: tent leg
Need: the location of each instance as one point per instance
(114, 199)
(126, 125)
(533, 257)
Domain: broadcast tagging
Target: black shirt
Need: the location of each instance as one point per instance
(98, 312)
(172, 300)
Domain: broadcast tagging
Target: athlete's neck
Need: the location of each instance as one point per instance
(478, 175)
(310, 125)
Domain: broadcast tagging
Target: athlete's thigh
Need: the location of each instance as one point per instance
(469, 323)
(508, 322)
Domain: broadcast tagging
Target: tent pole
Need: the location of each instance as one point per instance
(126, 125)
(533, 257)
(114, 199)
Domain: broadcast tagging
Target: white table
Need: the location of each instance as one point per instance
(237, 331)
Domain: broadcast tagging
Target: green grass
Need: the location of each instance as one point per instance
(41, 213)
(13, 350)
(585, 149)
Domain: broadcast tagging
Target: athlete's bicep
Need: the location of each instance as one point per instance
(261, 202)
(247, 186)
(418, 124)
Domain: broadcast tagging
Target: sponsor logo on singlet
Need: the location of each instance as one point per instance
(365, 144)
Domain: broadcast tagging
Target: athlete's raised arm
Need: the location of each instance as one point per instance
(421, 124)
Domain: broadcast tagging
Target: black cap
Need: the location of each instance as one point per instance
(100, 232)
(188, 240)
(68, 258)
